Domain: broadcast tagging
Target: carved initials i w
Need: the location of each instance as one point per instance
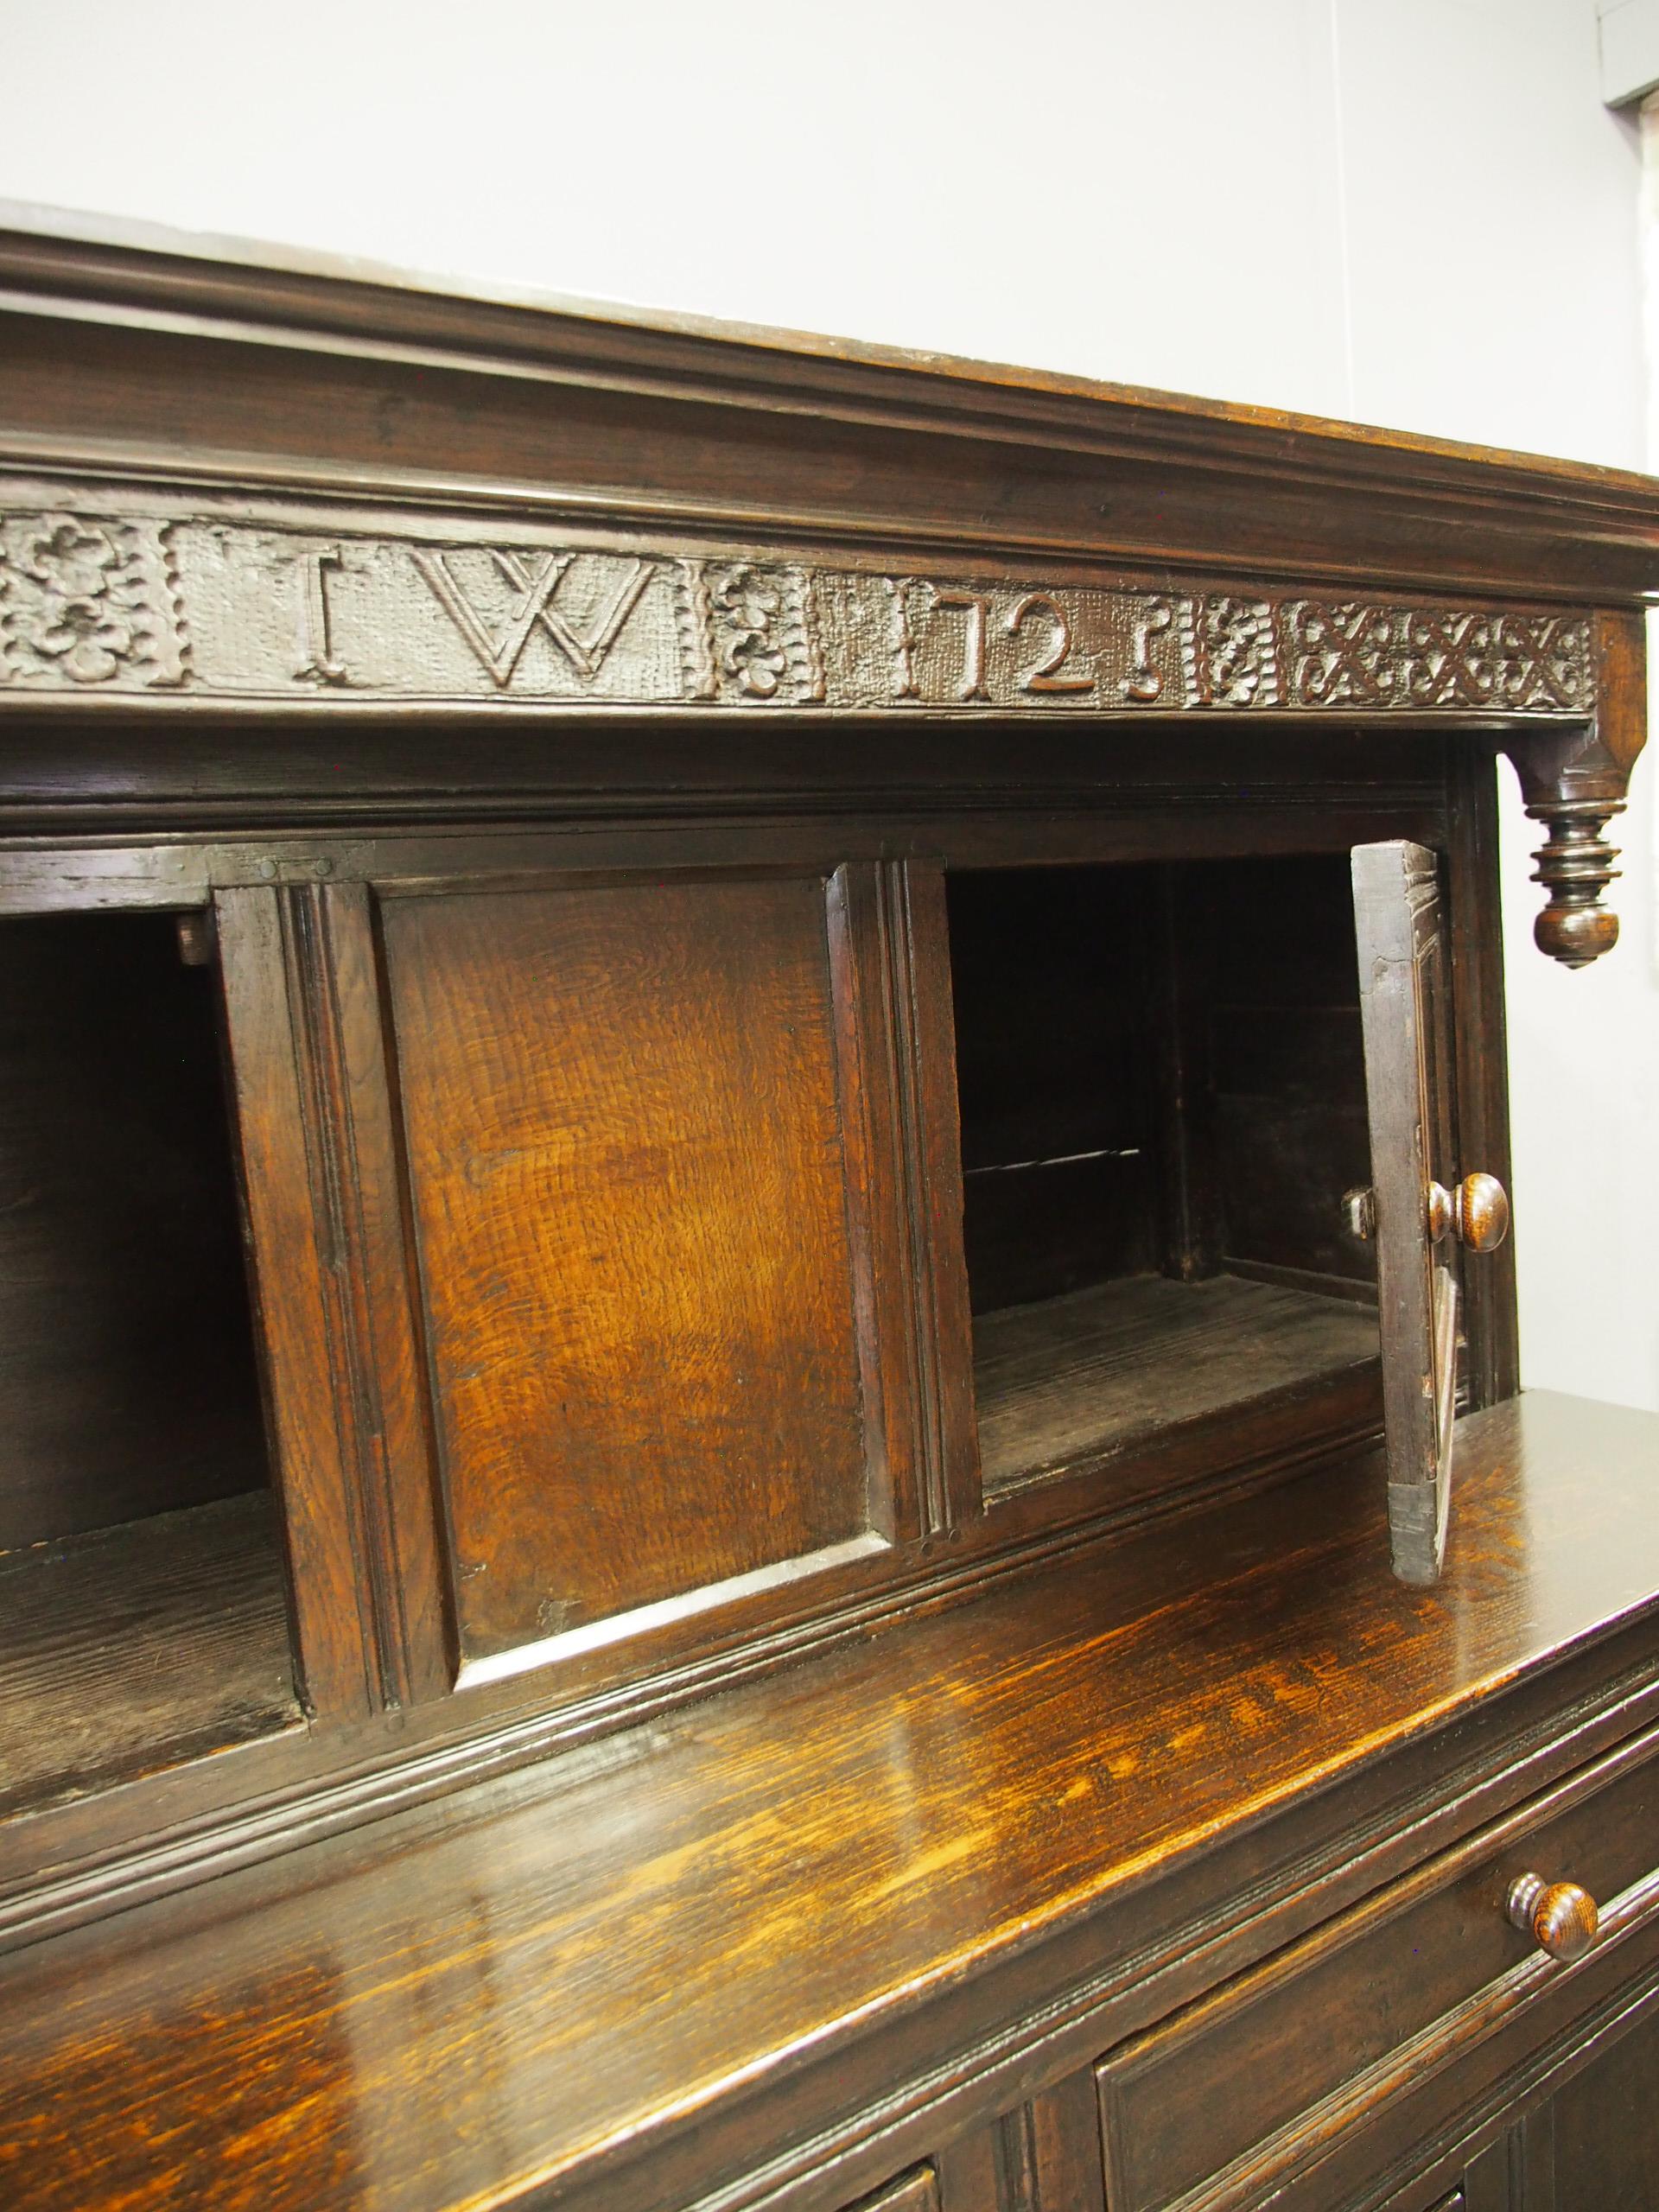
(499, 649)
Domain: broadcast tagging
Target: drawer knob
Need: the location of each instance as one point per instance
(1477, 1212)
(1559, 1916)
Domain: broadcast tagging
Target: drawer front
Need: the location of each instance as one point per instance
(1222, 2102)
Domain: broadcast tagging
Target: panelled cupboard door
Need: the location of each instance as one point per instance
(1040, 2155)
(1599, 2140)
(662, 1232)
(1416, 1209)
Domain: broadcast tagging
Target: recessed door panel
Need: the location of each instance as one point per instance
(626, 1113)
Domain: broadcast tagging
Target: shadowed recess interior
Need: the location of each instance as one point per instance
(1162, 1090)
(141, 1591)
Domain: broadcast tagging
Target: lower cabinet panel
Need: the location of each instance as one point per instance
(1605, 2129)
(1043, 2156)
(1244, 2092)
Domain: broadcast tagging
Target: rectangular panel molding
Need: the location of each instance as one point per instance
(656, 1266)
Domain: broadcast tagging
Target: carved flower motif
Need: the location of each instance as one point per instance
(91, 643)
(70, 559)
(748, 600)
(1237, 639)
(757, 664)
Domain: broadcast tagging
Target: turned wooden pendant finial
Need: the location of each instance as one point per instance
(1575, 866)
(1574, 781)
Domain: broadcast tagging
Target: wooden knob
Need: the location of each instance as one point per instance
(1559, 1916)
(1483, 1213)
(1359, 1214)
(1477, 1212)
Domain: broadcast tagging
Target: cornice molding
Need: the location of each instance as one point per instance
(238, 294)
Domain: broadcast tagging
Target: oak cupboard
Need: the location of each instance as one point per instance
(757, 1323)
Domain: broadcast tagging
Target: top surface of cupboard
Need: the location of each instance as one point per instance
(799, 1915)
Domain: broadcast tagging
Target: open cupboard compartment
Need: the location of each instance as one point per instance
(650, 1315)
(1161, 1079)
(143, 1617)
(1208, 1125)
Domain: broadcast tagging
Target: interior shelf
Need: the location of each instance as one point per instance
(140, 1646)
(1074, 1379)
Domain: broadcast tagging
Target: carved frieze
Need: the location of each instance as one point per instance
(88, 602)
(103, 603)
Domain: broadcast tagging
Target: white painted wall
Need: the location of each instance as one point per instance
(1630, 48)
(1415, 213)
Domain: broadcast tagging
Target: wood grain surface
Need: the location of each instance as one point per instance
(1080, 1377)
(1604, 2145)
(331, 363)
(323, 584)
(141, 1646)
(569, 1963)
(629, 1185)
(1235, 2087)
(1405, 972)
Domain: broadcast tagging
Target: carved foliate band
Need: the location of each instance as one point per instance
(107, 603)
(99, 601)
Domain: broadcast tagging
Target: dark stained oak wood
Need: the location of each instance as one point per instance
(1604, 2145)
(318, 1127)
(377, 1326)
(1234, 2092)
(906, 1207)
(1081, 1378)
(288, 381)
(977, 797)
(1491, 1364)
(1087, 1750)
(1574, 784)
(628, 1174)
(1405, 967)
(1064, 2132)
(267, 940)
(319, 343)
(692, 834)
(140, 1646)
(915, 2192)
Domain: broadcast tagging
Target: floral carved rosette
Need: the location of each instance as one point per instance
(1238, 646)
(746, 605)
(85, 602)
